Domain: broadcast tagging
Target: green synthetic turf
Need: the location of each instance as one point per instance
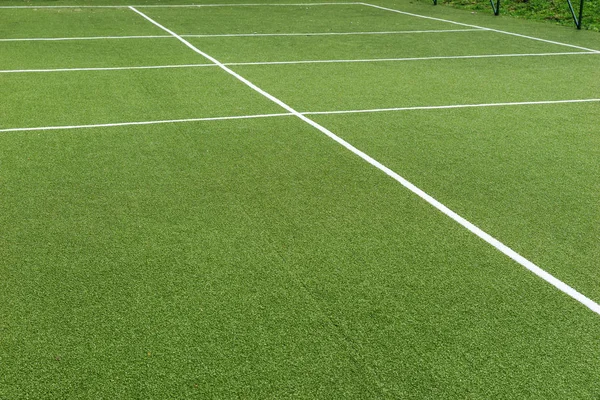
(96, 97)
(256, 49)
(71, 22)
(95, 54)
(528, 174)
(288, 19)
(351, 86)
(260, 259)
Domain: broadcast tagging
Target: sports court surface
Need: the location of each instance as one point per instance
(318, 200)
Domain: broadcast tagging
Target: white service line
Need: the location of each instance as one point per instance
(14, 71)
(332, 33)
(57, 39)
(373, 110)
(480, 27)
(83, 38)
(156, 122)
(442, 208)
(452, 106)
(52, 39)
(409, 58)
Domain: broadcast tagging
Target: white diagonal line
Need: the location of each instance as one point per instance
(480, 27)
(442, 208)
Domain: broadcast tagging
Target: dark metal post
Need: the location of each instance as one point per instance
(580, 15)
(496, 7)
(575, 19)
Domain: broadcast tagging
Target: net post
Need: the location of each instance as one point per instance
(495, 7)
(575, 18)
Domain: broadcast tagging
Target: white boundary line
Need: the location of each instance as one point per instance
(195, 5)
(157, 122)
(453, 106)
(410, 58)
(374, 110)
(442, 208)
(14, 71)
(481, 27)
(335, 33)
(17, 71)
(240, 35)
(59, 39)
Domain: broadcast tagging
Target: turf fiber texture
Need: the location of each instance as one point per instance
(259, 259)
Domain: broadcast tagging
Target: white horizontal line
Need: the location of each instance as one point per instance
(238, 35)
(407, 58)
(9, 71)
(453, 106)
(255, 5)
(193, 5)
(166, 121)
(333, 33)
(82, 38)
(172, 121)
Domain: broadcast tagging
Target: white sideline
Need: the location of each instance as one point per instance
(481, 27)
(373, 110)
(13, 71)
(50, 39)
(442, 208)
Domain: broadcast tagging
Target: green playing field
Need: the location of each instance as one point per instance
(276, 200)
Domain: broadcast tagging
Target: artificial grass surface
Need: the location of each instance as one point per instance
(290, 19)
(352, 86)
(259, 259)
(147, 261)
(71, 22)
(257, 49)
(524, 173)
(96, 53)
(555, 11)
(95, 97)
